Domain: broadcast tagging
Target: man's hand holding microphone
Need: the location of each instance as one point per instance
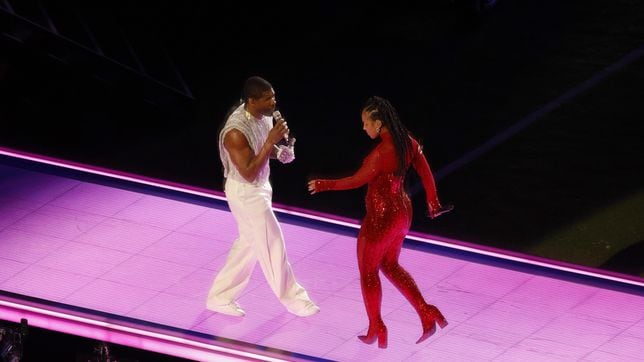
(286, 148)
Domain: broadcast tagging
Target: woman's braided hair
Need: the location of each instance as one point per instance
(380, 108)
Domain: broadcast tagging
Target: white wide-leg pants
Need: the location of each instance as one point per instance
(260, 239)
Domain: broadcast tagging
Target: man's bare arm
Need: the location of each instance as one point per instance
(241, 154)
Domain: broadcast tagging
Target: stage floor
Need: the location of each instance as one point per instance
(131, 261)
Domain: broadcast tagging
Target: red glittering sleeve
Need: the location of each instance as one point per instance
(422, 168)
(370, 168)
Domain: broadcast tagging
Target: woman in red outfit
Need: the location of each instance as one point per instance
(389, 214)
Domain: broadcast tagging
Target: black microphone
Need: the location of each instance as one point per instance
(443, 210)
(277, 116)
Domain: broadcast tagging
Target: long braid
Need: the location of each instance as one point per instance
(382, 109)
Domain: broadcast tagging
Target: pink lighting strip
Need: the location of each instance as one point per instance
(109, 331)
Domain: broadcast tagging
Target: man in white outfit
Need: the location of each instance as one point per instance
(246, 143)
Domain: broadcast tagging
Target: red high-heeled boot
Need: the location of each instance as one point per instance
(431, 316)
(380, 333)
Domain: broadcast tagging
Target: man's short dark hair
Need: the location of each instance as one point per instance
(254, 87)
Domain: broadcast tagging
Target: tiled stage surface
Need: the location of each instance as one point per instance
(144, 256)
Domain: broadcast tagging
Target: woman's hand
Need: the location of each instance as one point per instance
(312, 186)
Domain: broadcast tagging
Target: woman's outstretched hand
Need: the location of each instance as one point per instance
(311, 185)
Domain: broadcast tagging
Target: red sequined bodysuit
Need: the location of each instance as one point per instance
(386, 223)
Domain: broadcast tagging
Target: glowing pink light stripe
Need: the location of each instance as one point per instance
(113, 174)
(532, 260)
(123, 335)
(312, 215)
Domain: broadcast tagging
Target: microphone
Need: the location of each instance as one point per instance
(443, 210)
(277, 116)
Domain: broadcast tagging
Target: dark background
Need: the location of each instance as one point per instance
(142, 87)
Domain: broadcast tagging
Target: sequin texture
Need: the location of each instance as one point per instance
(384, 227)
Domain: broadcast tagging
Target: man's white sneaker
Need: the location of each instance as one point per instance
(231, 308)
(308, 310)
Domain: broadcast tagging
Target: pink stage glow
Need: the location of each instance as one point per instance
(332, 219)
